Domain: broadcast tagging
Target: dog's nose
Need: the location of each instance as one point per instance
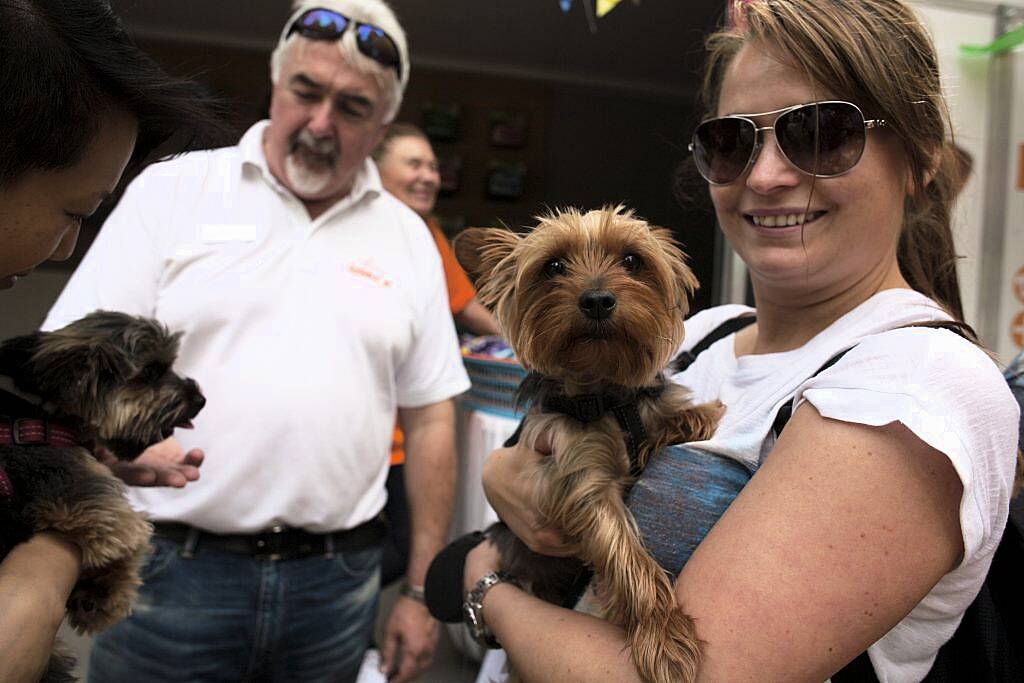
(196, 400)
(597, 304)
(196, 404)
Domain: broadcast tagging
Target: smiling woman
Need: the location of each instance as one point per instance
(877, 452)
(80, 104)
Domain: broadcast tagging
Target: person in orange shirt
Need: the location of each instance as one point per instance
(409, 170)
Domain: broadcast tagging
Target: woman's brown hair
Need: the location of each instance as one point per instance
(396, 131)
(876, 54)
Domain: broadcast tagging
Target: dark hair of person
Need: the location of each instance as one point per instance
(66, 63)
(395, 131)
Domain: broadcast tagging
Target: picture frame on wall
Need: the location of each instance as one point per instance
(449, 166)
(508, 129)
(506, 180)
(441, 121)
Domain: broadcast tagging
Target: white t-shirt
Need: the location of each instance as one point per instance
(305, 336)
(940, 386)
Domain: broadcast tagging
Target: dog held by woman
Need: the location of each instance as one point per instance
(593, 305)
(103, 381)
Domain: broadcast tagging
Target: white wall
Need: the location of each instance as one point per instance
(1010, 291)
(966, 82)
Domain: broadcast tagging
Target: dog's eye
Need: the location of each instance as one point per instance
(152, 373)
(554, 267)
(632, 263)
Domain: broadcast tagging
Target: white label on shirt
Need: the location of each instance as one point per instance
(227, 232)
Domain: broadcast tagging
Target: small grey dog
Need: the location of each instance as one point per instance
(104, 380)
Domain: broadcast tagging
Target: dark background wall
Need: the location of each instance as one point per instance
(586, 146)
(609, 113)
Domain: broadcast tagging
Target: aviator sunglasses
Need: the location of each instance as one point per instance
(821, 139)
(372, 41)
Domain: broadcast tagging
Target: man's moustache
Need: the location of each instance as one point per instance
(318, 147)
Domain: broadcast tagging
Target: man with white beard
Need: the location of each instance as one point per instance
(312, 308)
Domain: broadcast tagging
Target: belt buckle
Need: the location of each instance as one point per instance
(269, 543)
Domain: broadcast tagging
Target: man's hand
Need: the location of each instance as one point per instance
(162, 464)
(409, 641)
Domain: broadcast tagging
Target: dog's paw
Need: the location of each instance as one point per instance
(698, 422)
(103, 597)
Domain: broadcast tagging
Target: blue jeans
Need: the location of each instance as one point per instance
(220, 616)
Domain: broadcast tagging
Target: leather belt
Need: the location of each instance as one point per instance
(278, 543)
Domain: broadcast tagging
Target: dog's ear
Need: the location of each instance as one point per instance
(68, 368)
(685, 281)
(15, 357)
(480, 250)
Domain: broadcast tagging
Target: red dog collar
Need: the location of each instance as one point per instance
(35, 432)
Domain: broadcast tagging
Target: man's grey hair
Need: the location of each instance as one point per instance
(376, 12)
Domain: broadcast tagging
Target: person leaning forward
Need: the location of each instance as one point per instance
(313, 307)
(59, 158)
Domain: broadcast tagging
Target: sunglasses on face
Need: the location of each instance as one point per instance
(372, 41)
(821, 139)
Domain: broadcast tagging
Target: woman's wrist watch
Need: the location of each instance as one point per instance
(473, 607)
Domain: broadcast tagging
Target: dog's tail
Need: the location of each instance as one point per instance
(639, 595)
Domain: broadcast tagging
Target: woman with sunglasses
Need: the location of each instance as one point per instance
(80, 103)
(869, 523)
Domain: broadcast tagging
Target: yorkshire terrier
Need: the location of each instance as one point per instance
(105, 380)
(593, 305)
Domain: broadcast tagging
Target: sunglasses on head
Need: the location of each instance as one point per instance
(372, 41)
(822, 139)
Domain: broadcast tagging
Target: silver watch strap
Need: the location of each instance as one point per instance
(473, 608)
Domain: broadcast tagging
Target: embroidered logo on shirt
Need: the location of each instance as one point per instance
(367, 270)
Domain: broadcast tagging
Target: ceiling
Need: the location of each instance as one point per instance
(647, 46)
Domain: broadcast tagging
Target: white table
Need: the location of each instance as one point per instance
(477, 434)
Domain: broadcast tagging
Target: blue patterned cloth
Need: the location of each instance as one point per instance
(679, 497)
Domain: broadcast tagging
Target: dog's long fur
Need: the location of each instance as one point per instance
(534, 284)
(108, 377)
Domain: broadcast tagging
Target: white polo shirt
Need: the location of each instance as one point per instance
(305, 336)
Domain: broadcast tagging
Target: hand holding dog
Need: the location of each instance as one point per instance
(163, 464)
(508, 483)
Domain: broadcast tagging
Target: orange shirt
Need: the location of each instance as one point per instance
(460, 292)
(460, 289)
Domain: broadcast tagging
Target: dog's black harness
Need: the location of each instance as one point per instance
(587, 408)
